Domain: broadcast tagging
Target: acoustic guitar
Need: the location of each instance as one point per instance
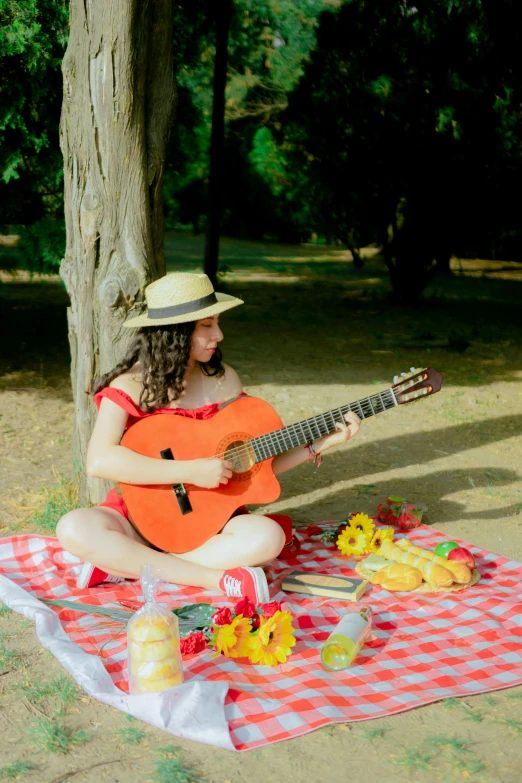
(249, 434)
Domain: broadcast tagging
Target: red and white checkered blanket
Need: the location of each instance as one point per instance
(424, 647)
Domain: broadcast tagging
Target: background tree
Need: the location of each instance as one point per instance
(389, 123)
(404, 131)
(222, 10)
(118, 104)
(269, 41)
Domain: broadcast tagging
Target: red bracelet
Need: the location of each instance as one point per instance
(312, 454)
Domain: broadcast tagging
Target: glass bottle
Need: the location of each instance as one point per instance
(344, 643)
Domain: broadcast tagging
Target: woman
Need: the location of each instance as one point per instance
(174, 366)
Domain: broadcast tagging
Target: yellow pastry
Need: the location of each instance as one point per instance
(460, 571)
(143, 630)
(154, 658)
(397, 577)
(152, 686)
(154, 670)
(431, 572)
(152, 651)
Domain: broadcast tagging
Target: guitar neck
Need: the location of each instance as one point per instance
(302, 432)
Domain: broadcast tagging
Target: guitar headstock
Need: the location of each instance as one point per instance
(416, 384)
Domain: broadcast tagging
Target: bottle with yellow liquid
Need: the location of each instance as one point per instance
(343, 645)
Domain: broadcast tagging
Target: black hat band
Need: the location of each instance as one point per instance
(182, 309)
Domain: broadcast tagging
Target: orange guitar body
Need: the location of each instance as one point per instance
(155, 510)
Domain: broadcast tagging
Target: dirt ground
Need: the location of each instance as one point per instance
(314, 334)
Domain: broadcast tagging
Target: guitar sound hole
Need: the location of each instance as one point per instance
(240, 455)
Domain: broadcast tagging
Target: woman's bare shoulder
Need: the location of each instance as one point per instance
(129, 382)
(229, 384)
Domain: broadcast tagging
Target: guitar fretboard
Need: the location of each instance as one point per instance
(302, 432)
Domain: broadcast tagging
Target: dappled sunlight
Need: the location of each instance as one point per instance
(311, 337)
(480, 267)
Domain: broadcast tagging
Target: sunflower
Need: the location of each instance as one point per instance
(273, 642)
(232, 640)
(381, 535)
(364, 524)
(352, 541)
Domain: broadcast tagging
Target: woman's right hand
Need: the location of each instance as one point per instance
(209, 473)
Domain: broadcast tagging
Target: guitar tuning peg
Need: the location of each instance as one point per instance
(395, 379)
(412, 369)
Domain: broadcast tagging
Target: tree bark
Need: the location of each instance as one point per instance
(215, 178)
(118, 105)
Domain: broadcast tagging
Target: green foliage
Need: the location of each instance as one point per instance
(33, 35)
(374, 734)
(55, 502)
(269, 42)
(9, 659)
(42, 244)
(171, 769)
(52, 736)
(16, 770)
(393, 124)
(414, 760)
(443, 741)
(131, 735)
(267, 160)
(403, 131)
(60, 692)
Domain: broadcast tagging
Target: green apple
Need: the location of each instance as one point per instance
(446, 547)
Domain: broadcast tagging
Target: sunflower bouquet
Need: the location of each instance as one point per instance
(263, 634)
(359, 536)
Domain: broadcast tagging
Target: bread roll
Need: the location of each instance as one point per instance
(433, 573)
(460, 571)
(397, 577)
(153, 654)
(145, 630)
(152, 651)
(154, 670)
(374, 562)
(153, 686)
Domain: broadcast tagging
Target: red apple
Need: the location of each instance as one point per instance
(462, 555)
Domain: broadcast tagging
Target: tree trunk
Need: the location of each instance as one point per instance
(118, 104)
(215, 179)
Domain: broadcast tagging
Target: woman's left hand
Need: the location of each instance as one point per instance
(344, 433)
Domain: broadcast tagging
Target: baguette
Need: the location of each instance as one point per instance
(431, 572)
(460, 571)
(397, 577)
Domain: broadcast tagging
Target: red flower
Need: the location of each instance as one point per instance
(223, 616)
(270, 609)
(194, 643)
(256, 622)
(245, 607)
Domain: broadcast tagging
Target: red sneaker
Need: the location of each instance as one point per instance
(91, 576)
(246, 582)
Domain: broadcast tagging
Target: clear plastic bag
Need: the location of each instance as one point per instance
(154, 657)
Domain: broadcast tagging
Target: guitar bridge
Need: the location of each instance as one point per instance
(179, 489)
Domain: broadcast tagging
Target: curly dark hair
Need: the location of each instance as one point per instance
(163, 352)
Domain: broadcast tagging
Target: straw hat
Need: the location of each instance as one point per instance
(181, 297)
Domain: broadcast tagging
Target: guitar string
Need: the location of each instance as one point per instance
(247, 448)
(267, 441)
(270, 439)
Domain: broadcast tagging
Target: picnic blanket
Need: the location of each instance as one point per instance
(423, 648)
